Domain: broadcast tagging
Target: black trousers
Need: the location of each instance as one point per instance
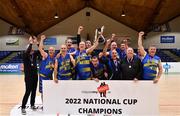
(31, 86)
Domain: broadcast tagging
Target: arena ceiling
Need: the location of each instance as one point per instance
(36, 16)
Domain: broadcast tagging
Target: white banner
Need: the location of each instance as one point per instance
(101, 98)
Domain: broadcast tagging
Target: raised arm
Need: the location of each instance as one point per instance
(140, 45)
(28, 50)
(89, 50)
(41, 48)
(108, 42)
(80, 29)
(35, 41)
(72, 60)
(55, 71)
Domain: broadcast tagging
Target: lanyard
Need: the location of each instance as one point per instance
(31, 59)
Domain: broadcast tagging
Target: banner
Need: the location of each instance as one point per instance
(167, 39)
(50, 41)
(12, 42)
(10, 68)
(101, 98)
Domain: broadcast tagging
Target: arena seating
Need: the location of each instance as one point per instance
(164, 57)
(175, 52)
(4, 54)
(18, 57)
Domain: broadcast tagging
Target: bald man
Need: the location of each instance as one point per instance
(47, 64)
(131, 66)
(152, 66)
(82, 61)
(121, 52)
(63, 65)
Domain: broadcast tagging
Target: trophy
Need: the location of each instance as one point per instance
(99, 34)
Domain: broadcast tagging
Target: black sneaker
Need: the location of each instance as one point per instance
(23, 111)
(33, 108)
(41, 108)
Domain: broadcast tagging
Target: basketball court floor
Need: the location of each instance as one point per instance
(12, 91)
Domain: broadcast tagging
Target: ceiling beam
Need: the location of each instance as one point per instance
(113, 18)
(21, 15)
(60, 20)
(9, 22)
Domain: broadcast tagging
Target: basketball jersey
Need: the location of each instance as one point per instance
(64, 68)
(45, 69)
(71, 50)
(98, 72)
(150, 65)
(83, 69)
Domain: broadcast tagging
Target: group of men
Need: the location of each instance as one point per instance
(82, 63)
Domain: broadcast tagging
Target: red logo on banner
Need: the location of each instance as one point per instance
(102, 89)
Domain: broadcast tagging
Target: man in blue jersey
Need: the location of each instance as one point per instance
(99, 70)
(150, 61)
(113, 46)
(82, 61)
(63, 65)
(47, 64)
(69, 45)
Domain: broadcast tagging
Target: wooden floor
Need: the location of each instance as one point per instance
(12, 90)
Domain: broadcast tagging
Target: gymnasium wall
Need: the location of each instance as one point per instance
(154, 37)
(4, 37)
(70, 26)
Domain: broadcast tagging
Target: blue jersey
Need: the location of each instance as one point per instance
(45, 70)
(71, 50)
(122, 54)
(98, 72)
(166, 66)
(83, 70)
(64, 68)
(150, 65)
